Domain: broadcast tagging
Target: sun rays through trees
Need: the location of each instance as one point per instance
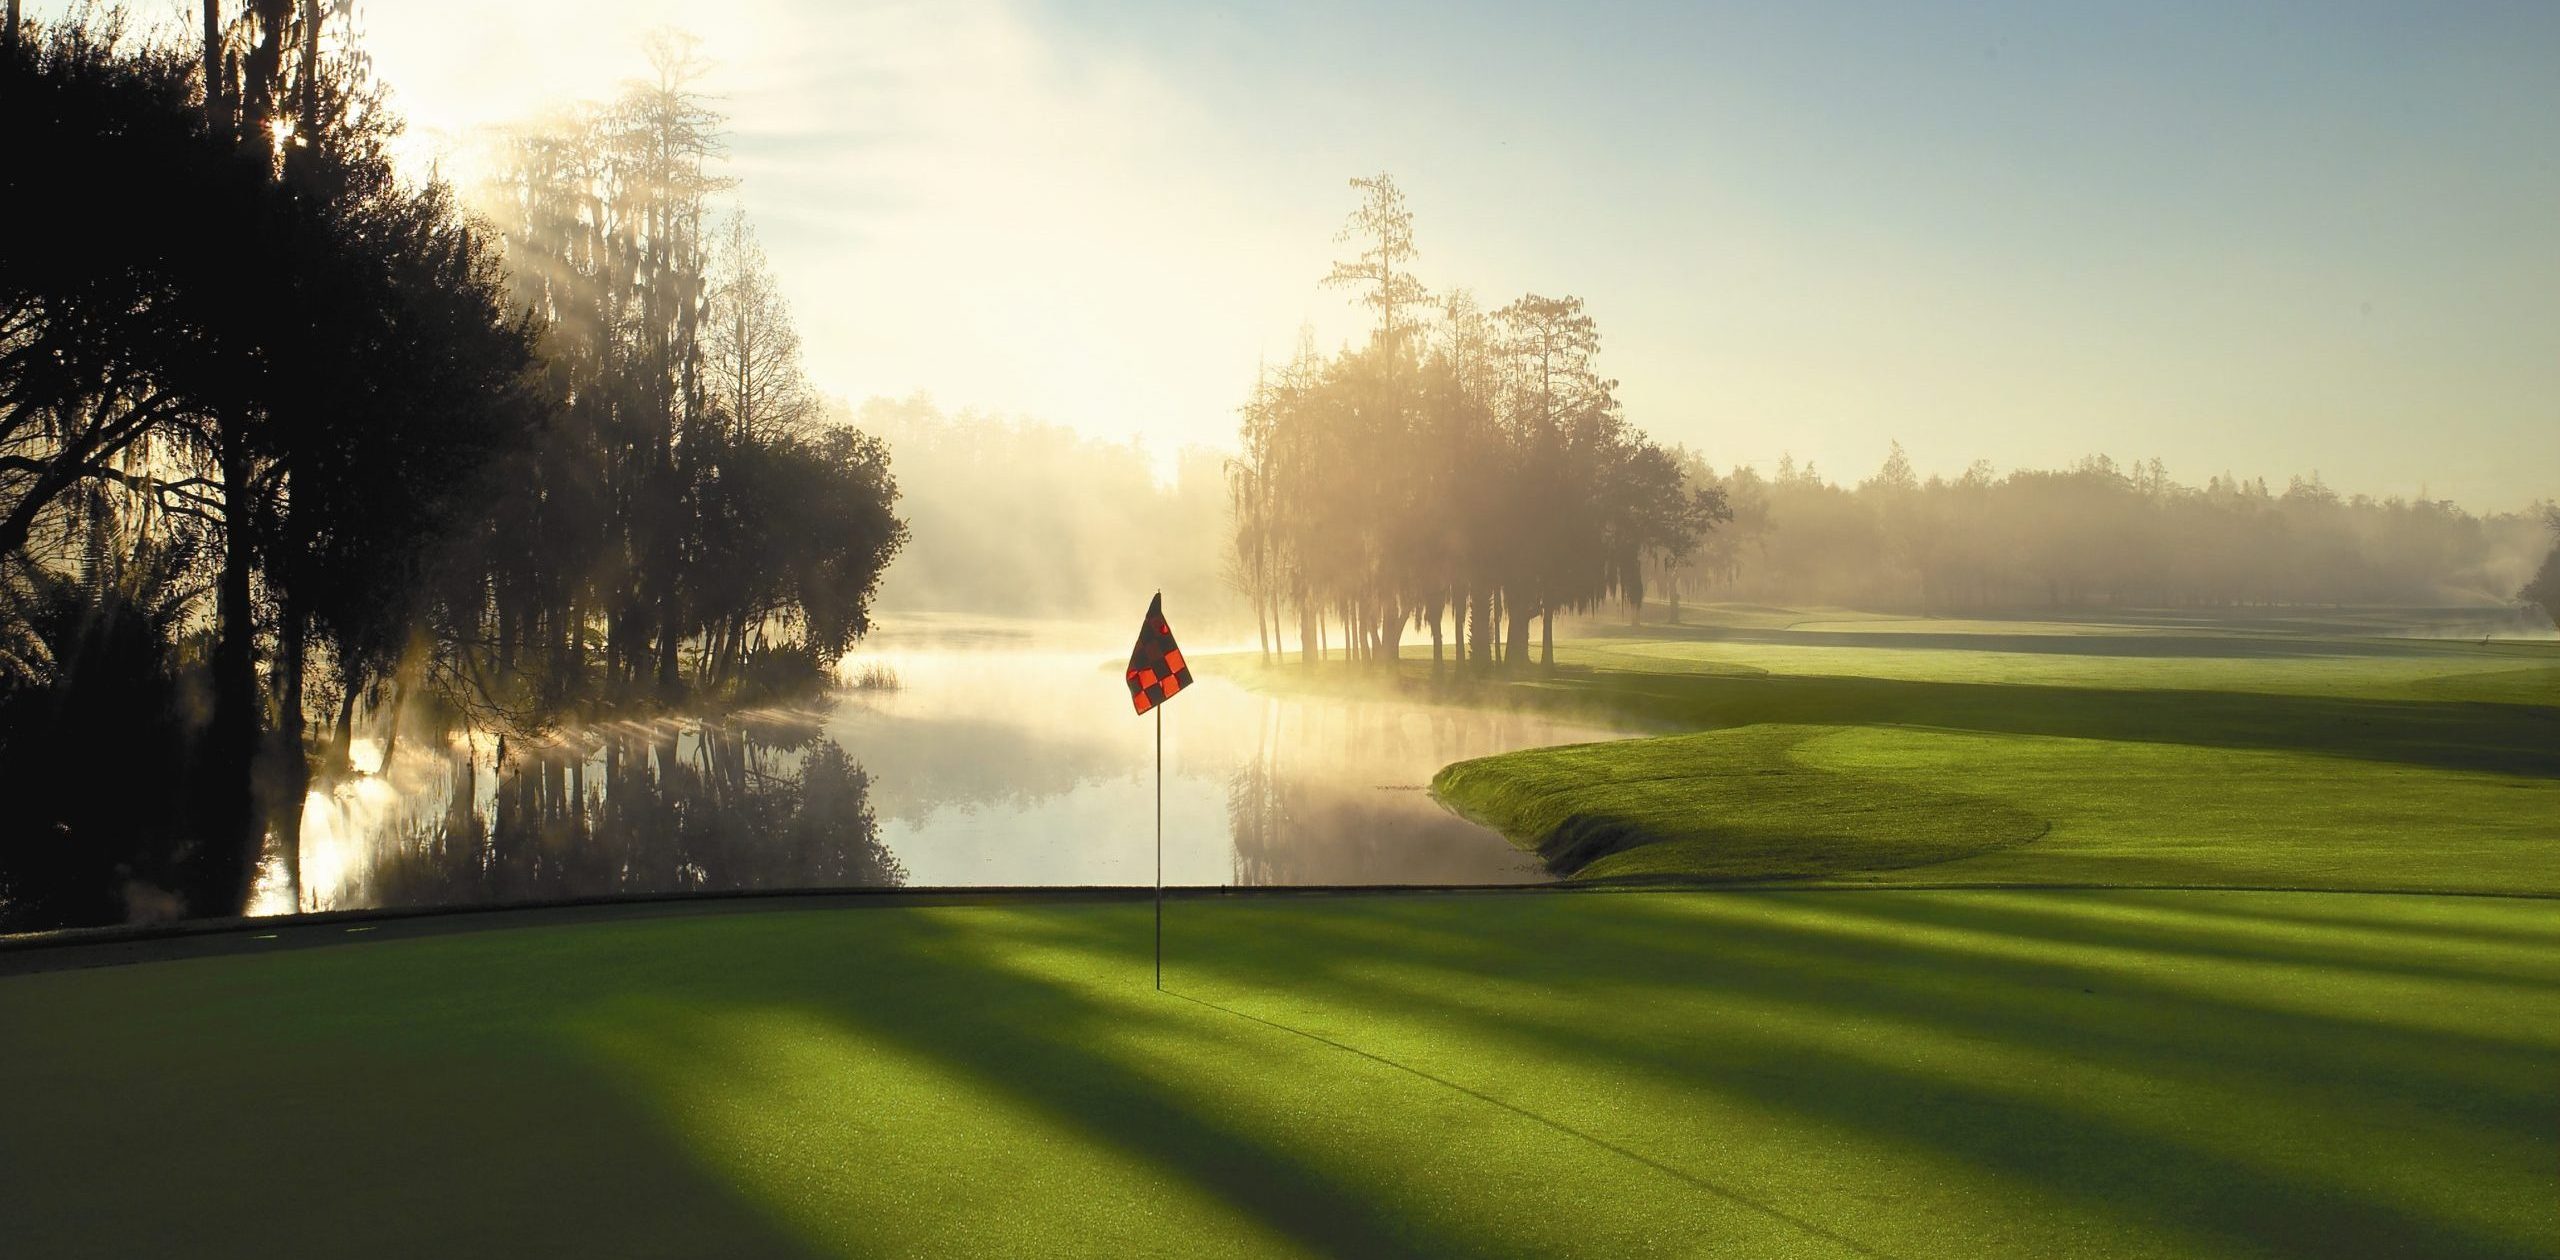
(341, 449)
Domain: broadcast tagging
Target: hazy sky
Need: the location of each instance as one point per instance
(2261, 238)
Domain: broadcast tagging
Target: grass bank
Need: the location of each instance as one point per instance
(1888, 1072)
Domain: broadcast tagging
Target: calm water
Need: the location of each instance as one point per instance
(1005, 755)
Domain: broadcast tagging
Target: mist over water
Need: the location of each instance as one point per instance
(1005, 753)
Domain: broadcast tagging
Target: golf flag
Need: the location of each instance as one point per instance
(1156, 670)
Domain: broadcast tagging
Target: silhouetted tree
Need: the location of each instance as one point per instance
(754, 353)
(1382, 227)
(89, 679)
(308, 370)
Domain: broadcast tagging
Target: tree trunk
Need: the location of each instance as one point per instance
(669, 639)
(1516, 652)
(217, 112)
(617, 644)
(227, 812)
(397, 700)
(1480, 629)
(292, 767)
(310, 103)
(1547, 639)
(1460, 604)
(342, 744)
(573, 653)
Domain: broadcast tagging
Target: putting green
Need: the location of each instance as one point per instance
(1879, 1072)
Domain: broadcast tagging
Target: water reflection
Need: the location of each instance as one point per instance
(992, 761)
(1336, 794)
(996, 762)
(760, 802)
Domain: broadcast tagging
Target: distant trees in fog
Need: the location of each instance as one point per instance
(2099, 533)
(1465, 472)
(1020, 518)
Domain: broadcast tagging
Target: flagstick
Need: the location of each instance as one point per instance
(1159, 848)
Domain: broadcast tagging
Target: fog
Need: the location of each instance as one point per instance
(2097, 534)
(1018, 517)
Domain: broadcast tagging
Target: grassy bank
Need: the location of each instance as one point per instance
(2315, 754)
(1810, 1073)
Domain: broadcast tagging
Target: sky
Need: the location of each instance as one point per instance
(2266, 239)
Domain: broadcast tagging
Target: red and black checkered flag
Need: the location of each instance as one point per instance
(1156, 669)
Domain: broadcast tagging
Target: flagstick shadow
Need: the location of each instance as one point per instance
(1694, 1182)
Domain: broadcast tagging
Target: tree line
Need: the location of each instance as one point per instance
(1464, 471)
(2098, 533)
(289, 440)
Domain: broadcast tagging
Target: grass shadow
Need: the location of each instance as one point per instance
(2146, 1026)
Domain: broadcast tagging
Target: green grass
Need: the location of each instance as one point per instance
(2276, 753)
(1740, 804)
(1895, 1072)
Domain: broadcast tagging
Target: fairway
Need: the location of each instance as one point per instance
(1641, 1073)
(2321, 754)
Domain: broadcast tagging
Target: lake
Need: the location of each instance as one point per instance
(1004, 754)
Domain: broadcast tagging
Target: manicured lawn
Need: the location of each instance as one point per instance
(2253, 754)
(1894, 1072)
(1892, 804)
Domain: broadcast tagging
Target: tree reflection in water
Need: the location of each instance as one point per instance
(1314, 817)
(760, 802)
(984, 766)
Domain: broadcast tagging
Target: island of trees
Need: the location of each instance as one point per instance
(1466, 471)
